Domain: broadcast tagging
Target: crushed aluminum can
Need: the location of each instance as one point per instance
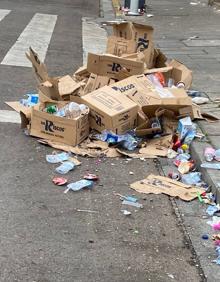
(90, 176)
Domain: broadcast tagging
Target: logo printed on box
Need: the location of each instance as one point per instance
(142, 44)
(115, 67)
(51, 127)
(124, 88)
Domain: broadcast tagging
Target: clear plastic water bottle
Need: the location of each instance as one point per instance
(76, 186)
(65, 167)
(57, 158)
(71, 110)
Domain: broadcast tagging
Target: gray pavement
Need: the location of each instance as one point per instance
(43, 237)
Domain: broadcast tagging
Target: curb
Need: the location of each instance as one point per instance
(209, 175)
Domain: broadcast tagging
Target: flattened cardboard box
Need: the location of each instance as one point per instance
(109, 65)
(130, 37)
(60, 129)
(111, 111)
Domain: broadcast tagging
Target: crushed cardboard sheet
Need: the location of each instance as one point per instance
(84, 150)
(94, 149)
(155, 184)
(157, 147)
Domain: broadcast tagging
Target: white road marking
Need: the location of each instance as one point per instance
(9, 116)
(37, 34)
(4, 13)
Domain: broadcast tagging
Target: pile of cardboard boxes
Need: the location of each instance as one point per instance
(115, 87)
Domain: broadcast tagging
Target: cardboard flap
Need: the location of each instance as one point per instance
(180, 73)
(39, 67)
(17, 106)
(24, 120)
(67, 86)
(163, 69)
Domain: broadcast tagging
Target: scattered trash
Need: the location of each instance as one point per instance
(159, 184)
(185, 167)
(133, 204)
(209, 154)
(59, 181)
(127, 141)
(205, 237)
(192, 178)
(200, 100)
(194, 3)
(192, 37)
(170, 276)
(211, 210)
(30, 101)
(65, 167)
(90, 176)
(211, 165)
(216, 226)
(57, 158)
(81, 184)
(217, 155)
(125, 212)
(88, 211)
(217, 261)
(185, 126)
(174, 175)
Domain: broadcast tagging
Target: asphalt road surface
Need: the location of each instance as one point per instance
(42, 235)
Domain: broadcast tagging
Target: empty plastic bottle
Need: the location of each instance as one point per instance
(192, 178)
(76, 186)
(31, 100)
(57, 158)
(71, 110)
(65, 167)
(209, 154)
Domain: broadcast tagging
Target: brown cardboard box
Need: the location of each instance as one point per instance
(111, 111)
(60, 129)
(109, 65)
(130, 37)
(95, 82)
(143, 92)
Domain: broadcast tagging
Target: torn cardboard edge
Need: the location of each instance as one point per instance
(95, 149)
(154, 184)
